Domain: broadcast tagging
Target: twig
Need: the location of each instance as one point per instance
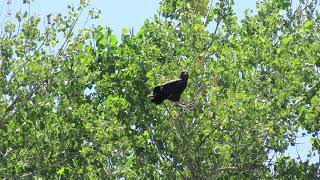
(209, 10)
(69, 33)
(174, 118)
(206, 137)
(215, 31)
(6, 116)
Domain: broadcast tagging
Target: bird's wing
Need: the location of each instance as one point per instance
(169, 90)
(172, 87)
(174, 97)
(157, 90)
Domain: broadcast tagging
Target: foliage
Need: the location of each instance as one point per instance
(73, 104)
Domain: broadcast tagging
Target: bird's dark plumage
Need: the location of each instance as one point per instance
(170, 90)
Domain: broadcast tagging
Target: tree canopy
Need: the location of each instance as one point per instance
(73, 101)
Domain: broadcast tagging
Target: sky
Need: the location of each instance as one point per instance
(118, 14)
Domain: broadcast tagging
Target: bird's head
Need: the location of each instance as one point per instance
(184, 75)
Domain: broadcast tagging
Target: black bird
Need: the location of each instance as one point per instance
(170, 90)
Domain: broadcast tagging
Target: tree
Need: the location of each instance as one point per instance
(76, 105)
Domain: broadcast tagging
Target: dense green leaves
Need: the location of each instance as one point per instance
(74, 102)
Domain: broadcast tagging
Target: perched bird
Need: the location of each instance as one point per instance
(170, 90)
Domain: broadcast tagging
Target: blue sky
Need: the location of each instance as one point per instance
(116, 14)
(119, 14)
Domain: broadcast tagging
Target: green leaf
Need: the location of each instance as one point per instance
(308, 24)
(113, 41)
(287, 40)
(124, 31)
(61, 171)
